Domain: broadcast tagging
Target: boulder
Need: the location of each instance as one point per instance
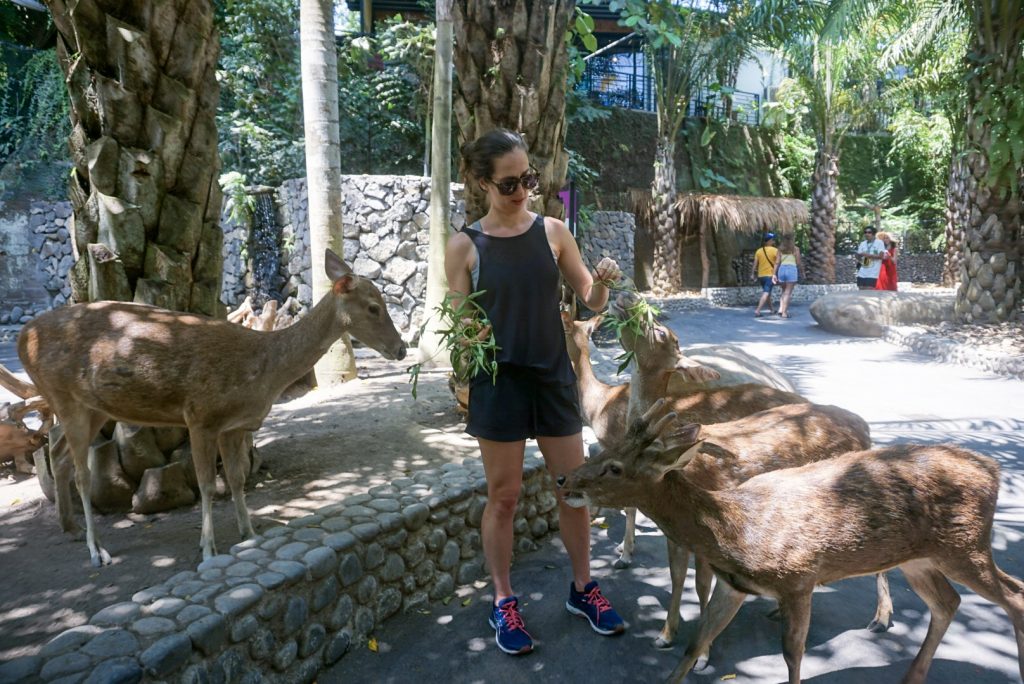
(139, 450)
(163, 489)
(734, 366)
(110, 488)
(867, 313)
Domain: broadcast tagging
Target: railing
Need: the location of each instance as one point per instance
(622, 80)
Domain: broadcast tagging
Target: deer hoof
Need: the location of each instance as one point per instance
(878, 627)
(621, 563)
(100, 557)
(702, 662)
(662, 642)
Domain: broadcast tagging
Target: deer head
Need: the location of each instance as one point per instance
(622, 475)
(360, 306)
(656, 349)
(577, 334)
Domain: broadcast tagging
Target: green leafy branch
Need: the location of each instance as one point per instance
(468, 338)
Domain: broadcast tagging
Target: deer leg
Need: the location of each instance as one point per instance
(883, 613)
(981, 574)
(204, 458)
(725, 603)
(233, 452)
(942, 600)
(796, 619)
(678, 560)
(705, 575)
(79, 429)
(63, 470)
(625, 549)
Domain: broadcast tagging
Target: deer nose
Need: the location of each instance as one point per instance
(560, 480)
(401, 353)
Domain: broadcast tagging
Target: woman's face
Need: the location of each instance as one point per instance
(511, 165)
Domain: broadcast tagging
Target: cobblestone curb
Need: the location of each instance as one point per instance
(950, 351)
(282, 605)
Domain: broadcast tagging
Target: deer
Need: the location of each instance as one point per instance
(143, 365)
(818, 431)
(927, 509)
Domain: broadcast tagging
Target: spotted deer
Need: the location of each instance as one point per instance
(927, 510)
(148, 366)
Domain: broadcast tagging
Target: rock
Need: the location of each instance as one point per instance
(237, 599)
(166, 655)
(209, 633)
(25, 668)
(111, 489)
(123, 670)
(867, 313)
(117, 614)
(163, 489)
(139, 451)
(111, 644)
(399, 270)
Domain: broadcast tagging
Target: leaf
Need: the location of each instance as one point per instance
(590, 42)
(372, 645)
(447, 599)
(728, 676)
(707, 136)
(467, 602)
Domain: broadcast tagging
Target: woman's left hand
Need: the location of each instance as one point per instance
(607, 272)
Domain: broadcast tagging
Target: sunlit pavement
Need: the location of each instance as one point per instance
(903, 395)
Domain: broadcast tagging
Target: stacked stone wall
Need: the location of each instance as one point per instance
(286, 603)
(48, 237)
(610, 234)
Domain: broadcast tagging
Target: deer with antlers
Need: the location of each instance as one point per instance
(925, 509)
(149, 366)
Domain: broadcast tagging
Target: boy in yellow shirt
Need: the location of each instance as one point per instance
(764, 266)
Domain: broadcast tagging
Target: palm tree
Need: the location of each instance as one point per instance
(323, 165)
(990, 272)
(144, 146)
(511, 62)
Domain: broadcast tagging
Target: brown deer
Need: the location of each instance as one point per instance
(148, 366)
(925, 509)
(812, 432)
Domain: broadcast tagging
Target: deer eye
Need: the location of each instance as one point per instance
(373, 309)
(659, 333)
(614, 469)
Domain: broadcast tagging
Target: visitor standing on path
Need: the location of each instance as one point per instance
(764, 267)
(869, 258)
(887, 275)
(514, 258)
(787, 271)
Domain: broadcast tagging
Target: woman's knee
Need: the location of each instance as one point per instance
(502, 503)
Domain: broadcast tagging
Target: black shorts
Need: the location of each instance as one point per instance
(866, 283)
(518, 406)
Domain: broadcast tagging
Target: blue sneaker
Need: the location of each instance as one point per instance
(592, 605)
(509, 631)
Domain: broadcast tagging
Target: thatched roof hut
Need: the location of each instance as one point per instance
(720, 218)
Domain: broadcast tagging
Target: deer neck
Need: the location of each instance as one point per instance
(594, 394)
(691, 514)
(645, 388)
(298, 347)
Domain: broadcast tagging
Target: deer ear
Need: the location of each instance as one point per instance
(566, 321)
(676, 457)
(335, 266)
(696, 373)
(344, 284)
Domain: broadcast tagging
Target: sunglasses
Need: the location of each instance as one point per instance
(507, 186)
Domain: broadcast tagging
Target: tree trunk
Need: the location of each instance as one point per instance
(665, 272)
(512, 63)
(323, 166)
(957, 214)
(144, 148)
(821, 256)
(990, 277)
(440, 185)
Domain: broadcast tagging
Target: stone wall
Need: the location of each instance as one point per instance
(386, 231)
(35, 257)
(911, 268)
(610, 234)
(281, 606)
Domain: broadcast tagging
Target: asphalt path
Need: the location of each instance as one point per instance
(905, 396)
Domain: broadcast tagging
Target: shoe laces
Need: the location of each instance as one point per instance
(596, 599)
(510, 616)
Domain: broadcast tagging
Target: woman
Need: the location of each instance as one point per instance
(887, 276)
(787, 271)
(515, 258)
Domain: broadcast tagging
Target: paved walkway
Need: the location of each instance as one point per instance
(903, 395)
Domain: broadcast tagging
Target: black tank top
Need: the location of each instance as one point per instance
(520, 279)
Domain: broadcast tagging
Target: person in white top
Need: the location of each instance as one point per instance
(870, 253)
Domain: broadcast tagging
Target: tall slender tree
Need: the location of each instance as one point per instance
(511, 61)
(440, 180)
(323, 165)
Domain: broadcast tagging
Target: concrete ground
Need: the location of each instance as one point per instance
(903, 395)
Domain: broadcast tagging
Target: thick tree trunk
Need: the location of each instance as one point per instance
(440, 185)
(665, 270)
(821, 257)
(511, 62)
(141, 77)
(323, 165)
(990, 274)
(957, 214)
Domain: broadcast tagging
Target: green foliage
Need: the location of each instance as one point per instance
(34, 108)
(638, 317)
(580, 35)
(921, 148)
(240, 204)
(467, 336)
(259, 120)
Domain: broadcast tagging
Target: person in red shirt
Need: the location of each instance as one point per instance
(887, 276)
